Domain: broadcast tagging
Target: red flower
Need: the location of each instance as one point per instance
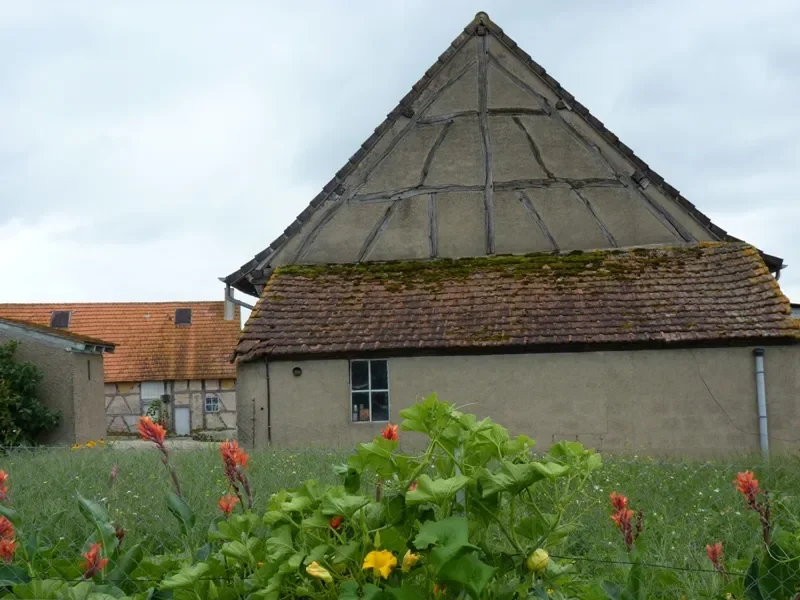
(715, 555)
(227, 502)
(93, 563)
(336, 521)
(618, 501)
(747, 486)
(3, 486)
(6, 529)
(151, 432)
(232, 454)
(413, 486)
(622, 519)
(390, 432)
(7, 550)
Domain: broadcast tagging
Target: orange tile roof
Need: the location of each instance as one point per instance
(149, 346)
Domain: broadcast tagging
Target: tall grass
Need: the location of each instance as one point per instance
(687, 504)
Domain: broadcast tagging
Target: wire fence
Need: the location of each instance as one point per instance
(705, 530)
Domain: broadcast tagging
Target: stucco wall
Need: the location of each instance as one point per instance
(90, 421)
(687, 402)
(55, 389)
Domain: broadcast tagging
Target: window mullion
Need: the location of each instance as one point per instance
(369, 388)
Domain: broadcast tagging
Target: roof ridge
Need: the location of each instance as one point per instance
(478, 26)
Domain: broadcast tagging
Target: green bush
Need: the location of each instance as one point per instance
(22, 417)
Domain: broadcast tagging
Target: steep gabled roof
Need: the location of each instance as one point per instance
(711, 293)
(489, 139)
(149, 345)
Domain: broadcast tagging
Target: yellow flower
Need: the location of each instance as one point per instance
(381, 562)
(102, 442)
(537, 562)
(409, 560)
(91, 444)
(315, 570)
(76, 447)
(439, 589)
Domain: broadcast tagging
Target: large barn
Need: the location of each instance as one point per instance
(493, 242)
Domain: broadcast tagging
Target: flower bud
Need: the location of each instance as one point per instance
(538, 561)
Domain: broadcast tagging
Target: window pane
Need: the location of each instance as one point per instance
(360, 406)
(359, 374)
(380, 377)
(380, 406)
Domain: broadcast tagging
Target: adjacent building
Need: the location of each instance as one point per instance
(492, 241)
(72, 377)
(173, 360)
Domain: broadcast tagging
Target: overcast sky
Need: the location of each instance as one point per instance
(149, 147)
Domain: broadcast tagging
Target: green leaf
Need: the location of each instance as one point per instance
(612, 590)
(449, 537)
(337, 502)
(316, 521)
(94, 512)
(752, 591)
(12, 575)
(635, 590)
(182, 511)
(280, 545)
(345, 552)
(297, 504)
(273, 517)
(407, 592)
(551, 470)
(512, 478)
(565, 449)
(239, 551)
(348, 590)
(351, 477)
(317, 553)
(371, 592)
(120, 573)
(186, 577)
(435, 491)
(467, 572)
(44, 589)
(9, 513)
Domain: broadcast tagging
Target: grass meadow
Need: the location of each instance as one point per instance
(687, 504)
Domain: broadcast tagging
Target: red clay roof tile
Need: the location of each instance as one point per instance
(149, 346)
(700, 293)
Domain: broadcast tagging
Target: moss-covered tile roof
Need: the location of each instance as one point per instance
(711, 292)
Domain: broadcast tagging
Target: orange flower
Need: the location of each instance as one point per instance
(93, 563)
(3, 486)
(232, 454)
(6, 529)
(7, 550)
(227, 502)
(390, 432)
(413, 486)
(747, 486)
(439, 590)
(152, 432)
(622, 518)
(336, 521)
(715, 555)
(618, 501)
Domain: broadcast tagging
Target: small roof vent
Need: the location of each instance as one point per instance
(59, 319)
(183, 316)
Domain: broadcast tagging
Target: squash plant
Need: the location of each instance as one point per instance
(473, 514)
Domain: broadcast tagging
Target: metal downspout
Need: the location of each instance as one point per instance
(761, 395)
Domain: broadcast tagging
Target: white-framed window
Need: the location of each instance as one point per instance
(151, 391)
(212, 404)
(369, 390)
